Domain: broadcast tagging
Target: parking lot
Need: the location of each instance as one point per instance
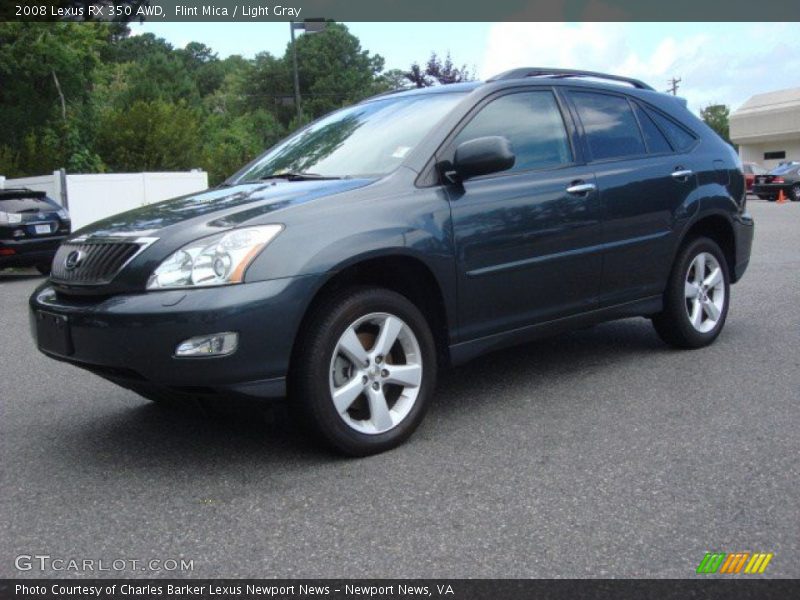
(600, 453)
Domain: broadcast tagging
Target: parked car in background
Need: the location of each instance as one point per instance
(32, 226)
(750, 171)
(785, 177)
(414, 230)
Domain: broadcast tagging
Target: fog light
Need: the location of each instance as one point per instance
(216, 344)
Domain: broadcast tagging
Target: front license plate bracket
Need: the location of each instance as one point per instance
(53, 333)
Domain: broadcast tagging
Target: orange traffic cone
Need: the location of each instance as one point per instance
(781, 197)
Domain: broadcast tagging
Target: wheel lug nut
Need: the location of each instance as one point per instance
(364, 380)
(384, 373)
(378, 360)
(376, 386)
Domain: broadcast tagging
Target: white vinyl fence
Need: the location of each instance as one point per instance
(90, 198)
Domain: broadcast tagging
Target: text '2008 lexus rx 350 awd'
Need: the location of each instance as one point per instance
(416, 229)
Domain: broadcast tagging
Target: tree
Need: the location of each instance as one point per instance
(717, 116)
(437, 71)
(91, 97)
(48, 73)
(150, 136)
(393, 79)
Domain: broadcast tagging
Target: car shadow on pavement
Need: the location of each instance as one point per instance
(148, 436)
(19, 276)
(574, 355)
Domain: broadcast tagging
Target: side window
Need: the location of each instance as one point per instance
(680, 139)
(610, 127)
(531, 121)
(655, 140)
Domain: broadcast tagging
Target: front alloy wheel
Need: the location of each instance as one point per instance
(365, 369)
(376, 371)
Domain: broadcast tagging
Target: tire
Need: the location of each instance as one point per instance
(693, 314)
(377, 408)
(43, 268)
(794, 193)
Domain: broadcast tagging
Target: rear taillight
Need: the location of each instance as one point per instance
(7, 251)
(778, 180)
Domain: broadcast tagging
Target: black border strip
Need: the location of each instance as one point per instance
(400, 10)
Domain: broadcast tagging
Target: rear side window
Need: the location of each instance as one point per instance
(680, 139)
(656, 141)
(531, 121)
(610, 127)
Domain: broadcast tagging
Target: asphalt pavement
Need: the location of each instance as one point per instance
(600, 453)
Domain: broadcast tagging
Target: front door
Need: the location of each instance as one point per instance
(527, 239)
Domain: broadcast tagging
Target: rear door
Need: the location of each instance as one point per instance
(642, 182)
(527, 247)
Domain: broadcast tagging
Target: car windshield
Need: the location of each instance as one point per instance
(366, 140)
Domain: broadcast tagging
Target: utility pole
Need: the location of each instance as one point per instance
(673, 86)
(309, 26)
(292, 25)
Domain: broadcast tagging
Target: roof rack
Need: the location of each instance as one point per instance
(564, 73)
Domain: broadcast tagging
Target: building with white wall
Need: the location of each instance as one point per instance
(767, 128)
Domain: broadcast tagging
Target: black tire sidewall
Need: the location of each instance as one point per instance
(675, 311)
(310, 371)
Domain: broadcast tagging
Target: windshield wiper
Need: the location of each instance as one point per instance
(297, 176)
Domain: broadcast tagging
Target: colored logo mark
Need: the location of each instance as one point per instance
(734, 563)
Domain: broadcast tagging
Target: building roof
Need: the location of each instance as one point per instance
(769, 116)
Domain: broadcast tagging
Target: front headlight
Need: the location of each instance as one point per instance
(217, 260)
(63, 214)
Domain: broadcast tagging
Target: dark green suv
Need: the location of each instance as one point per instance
(416, 229)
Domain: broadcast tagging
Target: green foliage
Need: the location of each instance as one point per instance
(151, 135)
(90, 97)
(717, 116)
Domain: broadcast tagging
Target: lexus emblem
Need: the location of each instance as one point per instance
(73, 260)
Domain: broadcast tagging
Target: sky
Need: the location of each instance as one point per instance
(719, 63)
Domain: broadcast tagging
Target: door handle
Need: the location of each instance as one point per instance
(581, 188)
(680, 173)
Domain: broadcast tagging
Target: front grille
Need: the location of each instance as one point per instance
(96, 262)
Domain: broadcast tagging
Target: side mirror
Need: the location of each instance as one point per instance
(483, 156)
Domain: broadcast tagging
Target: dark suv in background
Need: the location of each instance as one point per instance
(413, 230)
(31, 228)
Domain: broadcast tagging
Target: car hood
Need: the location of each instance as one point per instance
(223, 207)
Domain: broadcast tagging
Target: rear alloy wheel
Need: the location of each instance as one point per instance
(697, 296)
(795, 193)
(365, 371)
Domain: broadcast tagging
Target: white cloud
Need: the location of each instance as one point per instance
(715, 66)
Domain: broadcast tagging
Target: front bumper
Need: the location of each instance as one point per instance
(30, 252)
(131, 339)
